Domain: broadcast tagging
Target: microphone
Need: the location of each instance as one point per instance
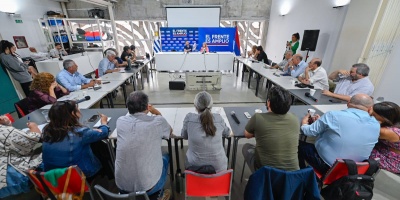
(311, 97)
(233, 114)
(82, 100)
(275, 74)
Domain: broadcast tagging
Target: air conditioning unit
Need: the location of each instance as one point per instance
(203, 80)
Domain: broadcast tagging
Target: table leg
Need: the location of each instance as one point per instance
(110, 98)
(258, 82)
(141, 78)
(228, 151)
(243, 67)
(147, 72)
(176, 140)
(237, 67)
(250, 74)
(124, 91)
(171, 163)
(234, 151)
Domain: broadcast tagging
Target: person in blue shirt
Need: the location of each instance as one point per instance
(187, 47)
(66, 142)
(108, 64)
(296, 66)
(71, 79)
(345, 134)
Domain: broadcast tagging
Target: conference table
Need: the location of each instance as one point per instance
(274, 77)
(194, 61)
(110, 82)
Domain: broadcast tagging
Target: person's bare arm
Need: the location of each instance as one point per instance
(63, 89)
(90, 84)
(248, 135)
(337, 96)
(389, 135)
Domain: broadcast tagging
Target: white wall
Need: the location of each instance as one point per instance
(390, 78)
(31, 11)
(305, 15)
(354, 35)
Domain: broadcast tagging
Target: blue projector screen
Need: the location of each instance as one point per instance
(217, 39)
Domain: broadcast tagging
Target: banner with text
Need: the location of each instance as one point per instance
(217, 39)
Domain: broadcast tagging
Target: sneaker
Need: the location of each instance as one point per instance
(166, 195)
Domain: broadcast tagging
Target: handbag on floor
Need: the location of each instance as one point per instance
(16, 181)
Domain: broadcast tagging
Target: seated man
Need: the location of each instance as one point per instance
(276, 132)
(284, 63)
(315, 75)
(345, 134)
(107, 65)
(351, 82)
(57, 51)
(140, 164)
(71, 79)
(38, 56)
(127, 52)
(296, 66)
(187, 47)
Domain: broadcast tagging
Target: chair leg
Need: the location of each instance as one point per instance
(181, 144)
(241, 177)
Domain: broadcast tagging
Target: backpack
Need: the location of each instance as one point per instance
(353, 186)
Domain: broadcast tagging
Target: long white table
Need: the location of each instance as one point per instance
(175, 117)
(95, 96)
(326, 108)
(194, 61)
(87, 63)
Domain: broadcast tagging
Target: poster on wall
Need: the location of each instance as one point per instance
(20, 42)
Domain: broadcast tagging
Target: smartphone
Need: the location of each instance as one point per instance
(105, 82)
(247, 114)
(93, 118)
(335, 101)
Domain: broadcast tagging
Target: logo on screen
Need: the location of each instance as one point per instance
(179, 32)
(217, 40)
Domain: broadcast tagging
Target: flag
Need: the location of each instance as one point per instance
(236, 46)
(157, 45)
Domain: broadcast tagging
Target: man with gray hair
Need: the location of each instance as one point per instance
(107, 65)
(140, 164)
(284, 63)
(345, 134)
(71, 79)
(351, 82)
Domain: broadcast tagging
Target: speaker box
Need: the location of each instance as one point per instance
(177, 85)
(310, 40)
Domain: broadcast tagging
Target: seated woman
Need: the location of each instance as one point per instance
(204, 48)
(204, 131)
(44, 90)
(66, 142)
(261, 55)
(253, 52)
(18, 145)
(388, 146)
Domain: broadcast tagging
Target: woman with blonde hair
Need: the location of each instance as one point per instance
(204, 131)
(44, 90)
(253, 52)
(204, 48)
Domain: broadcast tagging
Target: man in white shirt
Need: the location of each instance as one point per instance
(37, 55)
(57, 51)
(315, 75)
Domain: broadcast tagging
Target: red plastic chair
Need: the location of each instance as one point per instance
(21, 107)
(72, 182)
(339, 169)
(208, 185)
(9, 117)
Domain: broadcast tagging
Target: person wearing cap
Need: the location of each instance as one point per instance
(276, 133)
(204, 131)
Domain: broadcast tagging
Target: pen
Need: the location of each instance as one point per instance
(29, 120)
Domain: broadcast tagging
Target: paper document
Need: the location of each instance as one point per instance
(41, 126)
(99, 122)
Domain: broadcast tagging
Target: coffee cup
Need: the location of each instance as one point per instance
(312, 92)
(311, 112)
